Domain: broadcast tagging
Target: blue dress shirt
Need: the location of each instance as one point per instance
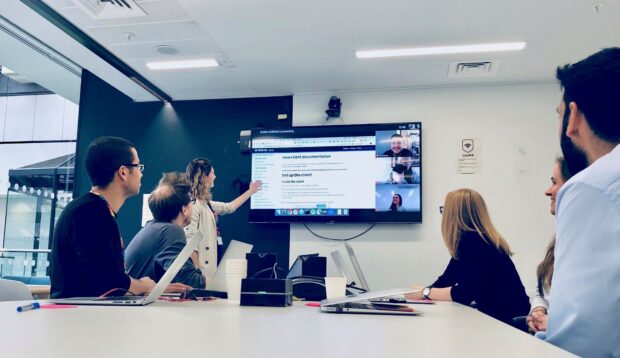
(584, 310)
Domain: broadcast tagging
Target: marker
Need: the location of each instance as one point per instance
(32, 306)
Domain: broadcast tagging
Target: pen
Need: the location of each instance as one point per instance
(32, 306)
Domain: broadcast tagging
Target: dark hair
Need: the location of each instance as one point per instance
(196, 170)
(561, 162)
(104, 156)
(397, 135)
(594, 85)
(544, 271)
(400, 202)
(170, 196)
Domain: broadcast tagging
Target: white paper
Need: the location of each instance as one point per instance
(468, 156)
(146, 212)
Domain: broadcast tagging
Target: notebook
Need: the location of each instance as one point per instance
(157, 291)
(366, 303)
(236, 250)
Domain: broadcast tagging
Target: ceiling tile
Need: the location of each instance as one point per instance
(204, 47)
(154, 32)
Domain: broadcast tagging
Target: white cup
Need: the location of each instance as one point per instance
(335, 287)
(236, 270)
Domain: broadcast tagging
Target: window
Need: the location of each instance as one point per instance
(37, 150)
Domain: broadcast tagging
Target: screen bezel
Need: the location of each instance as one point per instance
(366, 216)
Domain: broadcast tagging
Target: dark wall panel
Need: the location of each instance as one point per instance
(167, 137)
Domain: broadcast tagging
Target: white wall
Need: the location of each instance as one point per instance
(518, 129)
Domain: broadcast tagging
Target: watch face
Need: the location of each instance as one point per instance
(426, 291)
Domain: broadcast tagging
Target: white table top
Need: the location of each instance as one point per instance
(219, 329)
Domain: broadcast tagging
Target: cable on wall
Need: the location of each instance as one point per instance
(336, 239)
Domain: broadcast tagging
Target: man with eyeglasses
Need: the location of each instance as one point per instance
(87, 249)
(157, 245)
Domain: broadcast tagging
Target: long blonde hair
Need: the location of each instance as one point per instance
(465, 210)
(197, 171)
(544, 271)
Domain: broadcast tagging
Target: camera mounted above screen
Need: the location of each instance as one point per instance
(333, 107)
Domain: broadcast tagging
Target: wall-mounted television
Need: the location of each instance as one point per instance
(351, 173)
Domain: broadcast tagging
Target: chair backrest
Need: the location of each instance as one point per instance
(14, 291)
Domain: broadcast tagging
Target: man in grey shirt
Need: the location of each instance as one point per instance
(155, 247)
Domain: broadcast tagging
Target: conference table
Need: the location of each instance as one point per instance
(220, 329)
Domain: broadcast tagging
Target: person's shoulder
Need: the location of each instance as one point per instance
(85, 205)
(200, 205)
(471, 240)
(389, 153)
(601, 179)
(171, 231)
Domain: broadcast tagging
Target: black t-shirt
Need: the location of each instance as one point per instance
(154, 248)
(487, 276)
(87, 254)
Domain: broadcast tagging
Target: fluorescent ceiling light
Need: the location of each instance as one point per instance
(183, 64)
(441, 50)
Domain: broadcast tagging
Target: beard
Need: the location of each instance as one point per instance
(575, 157)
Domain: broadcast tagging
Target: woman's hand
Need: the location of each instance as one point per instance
(255, 186)
(415, 295)
(537, 320)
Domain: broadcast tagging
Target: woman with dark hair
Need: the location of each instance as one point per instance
(397, 203)
(480, 269)
(201, 173)
(537, 320)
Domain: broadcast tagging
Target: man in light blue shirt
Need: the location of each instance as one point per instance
(584, 311)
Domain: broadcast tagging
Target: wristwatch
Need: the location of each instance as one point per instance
(426, 292)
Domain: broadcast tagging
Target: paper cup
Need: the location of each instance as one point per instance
(335, 287)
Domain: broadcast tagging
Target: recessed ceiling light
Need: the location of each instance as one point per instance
(182, 64)
(442, 50)
(166, 50)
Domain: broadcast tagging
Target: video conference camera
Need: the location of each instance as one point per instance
(333, 107)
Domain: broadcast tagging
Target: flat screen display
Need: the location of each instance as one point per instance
(351, 173)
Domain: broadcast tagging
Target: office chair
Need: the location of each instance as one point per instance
(14, 291)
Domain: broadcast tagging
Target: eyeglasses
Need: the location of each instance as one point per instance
(140, 166)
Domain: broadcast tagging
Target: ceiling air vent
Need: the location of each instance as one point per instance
(110, 9)
(473, 69)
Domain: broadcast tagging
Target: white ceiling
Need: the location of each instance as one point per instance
(277, 47)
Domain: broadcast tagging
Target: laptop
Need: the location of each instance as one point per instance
(236, 250)
(359, 280)
(366, 303)
(155, 293)
(356, 267)
(344, 271)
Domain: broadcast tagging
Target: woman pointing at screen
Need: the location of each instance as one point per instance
(205, 214)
